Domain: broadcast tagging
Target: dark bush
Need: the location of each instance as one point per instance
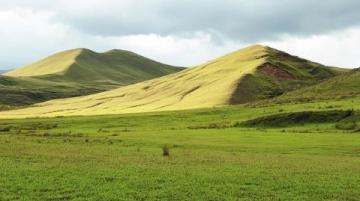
(346, 125)
(5, 129)
(286, 119)
(166, 150)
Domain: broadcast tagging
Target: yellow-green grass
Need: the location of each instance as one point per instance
(250, 74)
(54, 64)
(77, 72)
(120, 157)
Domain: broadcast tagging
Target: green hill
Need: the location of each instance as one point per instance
(250, 74)
(27, 90)
(342, 86)
(77, 72)
(118, 67)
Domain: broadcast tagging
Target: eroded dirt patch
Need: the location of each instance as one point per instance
(276, 72)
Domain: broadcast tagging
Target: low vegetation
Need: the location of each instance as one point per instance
(288, 119)
(213, 156)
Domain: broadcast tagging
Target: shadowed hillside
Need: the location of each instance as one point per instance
(250, 74)
(27, 90)
(342, 86)
(77, 72)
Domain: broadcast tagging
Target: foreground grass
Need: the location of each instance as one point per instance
(120, 157)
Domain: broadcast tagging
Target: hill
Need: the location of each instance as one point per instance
(250, 74)
(342, 86)
(117, 67)
(77, 72)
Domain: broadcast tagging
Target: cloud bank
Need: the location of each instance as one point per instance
(180, 32)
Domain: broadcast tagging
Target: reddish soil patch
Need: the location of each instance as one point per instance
(276, 72)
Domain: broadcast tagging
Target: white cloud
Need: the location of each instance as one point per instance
(338, 48)
(30, 35)
(184, 51)
(25, 34)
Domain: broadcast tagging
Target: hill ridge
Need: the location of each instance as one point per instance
(68, 59)
(246, 75)
(78, 72)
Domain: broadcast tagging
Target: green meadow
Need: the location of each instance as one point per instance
(205, 154)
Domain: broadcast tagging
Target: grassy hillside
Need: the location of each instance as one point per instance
(340, 87)
(27, 90)
(54, 64)
(250, 74)
(212, 156)
(117, 67)
(77, 72)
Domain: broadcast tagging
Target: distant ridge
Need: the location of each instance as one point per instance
(250, 74)
(84, 65)
(77, 72)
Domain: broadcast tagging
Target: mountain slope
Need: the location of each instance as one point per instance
(27, 90)
(250, 74)
(342, 86)
(78, 72)
(84, 66)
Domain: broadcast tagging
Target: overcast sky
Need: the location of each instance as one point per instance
(185, 32)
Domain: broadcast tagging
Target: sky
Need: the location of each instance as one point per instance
(183, 33)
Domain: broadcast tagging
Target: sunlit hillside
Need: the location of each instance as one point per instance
(250, 74)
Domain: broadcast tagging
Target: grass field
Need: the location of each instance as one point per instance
(212, 156)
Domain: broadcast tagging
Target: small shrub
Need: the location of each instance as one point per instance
(237, 124)
(209, 126)
(5, 129)
(166, 151)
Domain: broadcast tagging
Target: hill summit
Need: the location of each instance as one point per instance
(250, 74)
(81, 65)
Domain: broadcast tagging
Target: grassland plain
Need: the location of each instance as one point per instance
(213, 156)
(77, 72)
(250, 74)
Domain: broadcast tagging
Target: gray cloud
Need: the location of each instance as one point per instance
(242, 20)
(246, 21)
(166, 29)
